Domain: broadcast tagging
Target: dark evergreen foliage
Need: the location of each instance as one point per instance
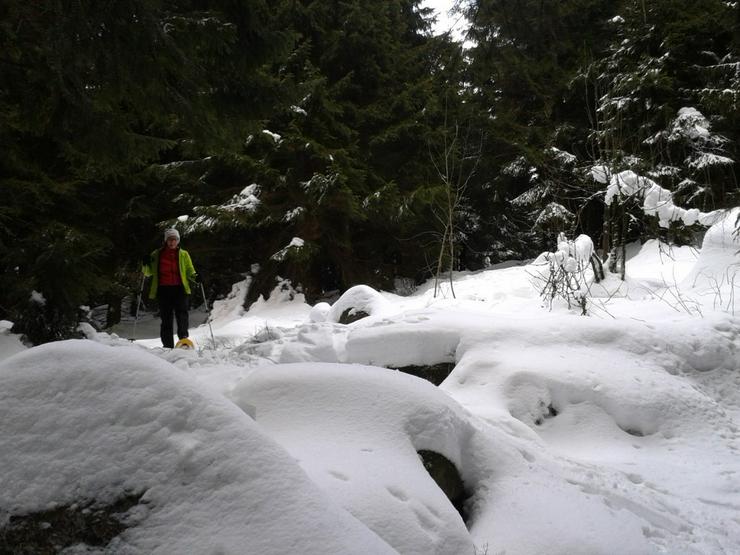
(342, 160)
(91, 96)
(603, 82)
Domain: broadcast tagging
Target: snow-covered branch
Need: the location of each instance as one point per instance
(657, 201)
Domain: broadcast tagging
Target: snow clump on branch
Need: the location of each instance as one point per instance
(566, 274)
(657, 201)
(572, 256)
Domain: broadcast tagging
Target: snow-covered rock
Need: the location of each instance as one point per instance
(356, 431)
(81, 422)
(359, 299)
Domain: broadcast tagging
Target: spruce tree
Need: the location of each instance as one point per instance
(659, 111)
(525, 59)
(345, 153)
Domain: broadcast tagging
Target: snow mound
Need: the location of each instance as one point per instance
(356, 431)
(520, 378)
(360, 298)
(82, 421)
(646, 280)
(232, 307)
(716, 275)
(419, 337)
(319, 312)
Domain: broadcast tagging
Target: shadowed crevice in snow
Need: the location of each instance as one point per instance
(51, 531)
(352, 315)
(633, 431)
(435, 373)
(447, 477)
(549, 412)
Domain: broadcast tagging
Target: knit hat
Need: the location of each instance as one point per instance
(172, 232)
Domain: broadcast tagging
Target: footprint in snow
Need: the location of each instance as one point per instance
(397, 493)
(339, 475)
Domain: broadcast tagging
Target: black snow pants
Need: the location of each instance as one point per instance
(172, 302)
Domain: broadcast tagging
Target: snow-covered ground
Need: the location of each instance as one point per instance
(617, 432)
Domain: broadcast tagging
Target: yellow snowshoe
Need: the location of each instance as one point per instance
(185, 343)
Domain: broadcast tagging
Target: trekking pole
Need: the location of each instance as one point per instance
(138, 305)
(208, 310)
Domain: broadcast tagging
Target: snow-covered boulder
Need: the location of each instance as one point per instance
(83, 422)
(356, 431)
(319, 312)
(357, 302)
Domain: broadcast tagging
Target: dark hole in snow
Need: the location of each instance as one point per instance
(445, 474)
(633, 432)
(435, 373)
(352, 315)
(550, 413)
(51, 531)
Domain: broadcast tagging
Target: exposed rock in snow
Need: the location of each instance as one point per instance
(359, 299)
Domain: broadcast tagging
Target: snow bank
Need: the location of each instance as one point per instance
(716, 275)
(232, 307)
(413, 338)
(417, 338)
(81, 421)
(609, 428)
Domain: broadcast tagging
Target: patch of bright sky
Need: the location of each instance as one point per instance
(445, 20)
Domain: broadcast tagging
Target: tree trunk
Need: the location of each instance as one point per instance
(440, 259)
(623, 244)
(614, 238)
(451, 239)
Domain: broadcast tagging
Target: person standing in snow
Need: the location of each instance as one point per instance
(172, 273)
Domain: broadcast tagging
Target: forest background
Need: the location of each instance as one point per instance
(338, 142)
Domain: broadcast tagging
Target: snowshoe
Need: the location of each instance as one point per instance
(185, 343)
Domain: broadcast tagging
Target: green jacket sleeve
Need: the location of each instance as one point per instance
(187, 270)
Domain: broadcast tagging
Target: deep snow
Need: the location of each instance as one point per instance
(617, 432)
